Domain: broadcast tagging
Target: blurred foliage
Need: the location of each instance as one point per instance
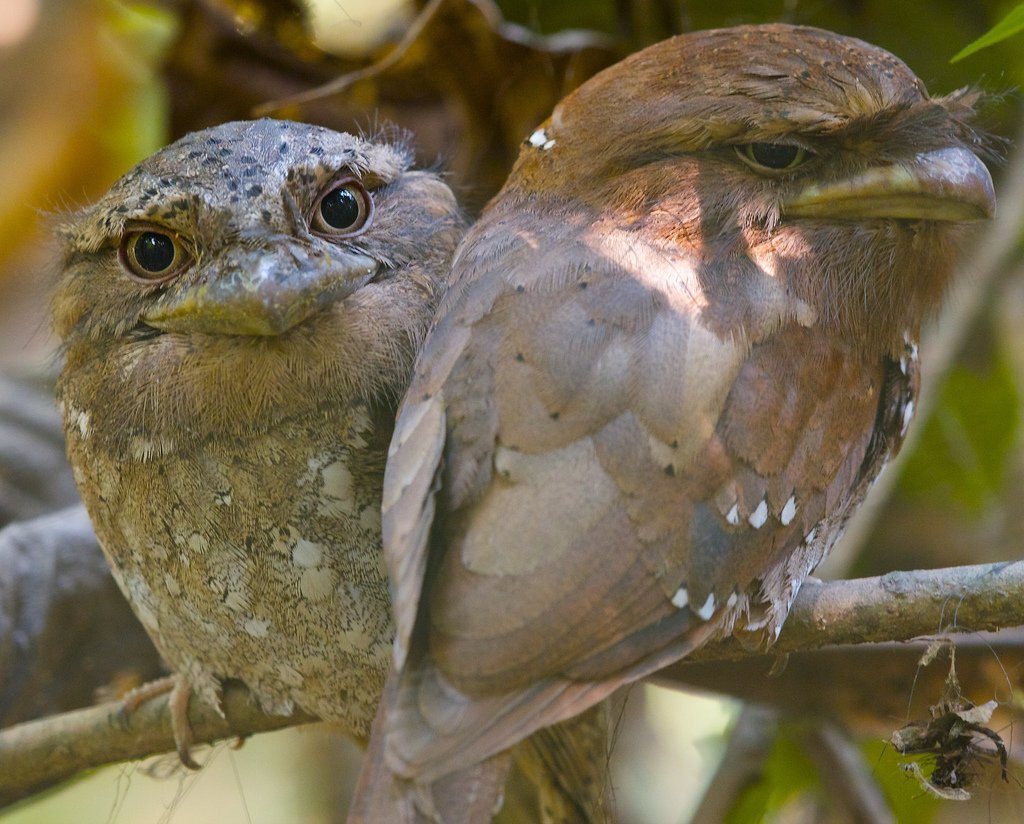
(965, 450)
(790, 782)
(910, 804)
(133, 39)
(77, 110)
(1007, 27)
(787, 774)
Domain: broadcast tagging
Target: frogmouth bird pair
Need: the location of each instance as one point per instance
(675, 351)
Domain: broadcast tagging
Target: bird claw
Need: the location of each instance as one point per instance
(239, 742)
(177, 703)
(135, 698)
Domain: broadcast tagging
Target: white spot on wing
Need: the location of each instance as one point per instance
(708, 608)
(788, 511)
(810, 536)
(257, 627)
(733, 515)
(908, 413)
(548, 145)
(732, 599)
(538, 138)
(307, 554)
(681, 598)
(337, 490)
(759, 516)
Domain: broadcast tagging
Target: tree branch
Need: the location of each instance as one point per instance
(898, 606)
(39, 754)
(894, 607)
(869, 688)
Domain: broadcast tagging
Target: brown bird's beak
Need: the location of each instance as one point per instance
(945, 184)
(261, 291)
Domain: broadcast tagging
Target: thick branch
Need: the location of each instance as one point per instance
(868, 687)
(894, 607)
(898, 606)
(65, 629)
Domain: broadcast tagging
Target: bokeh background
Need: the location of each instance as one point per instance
(89, 87)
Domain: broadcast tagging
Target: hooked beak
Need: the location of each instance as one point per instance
(264, 291)
(946, 184)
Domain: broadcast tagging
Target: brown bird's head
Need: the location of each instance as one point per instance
(246, 269)
(818, 157)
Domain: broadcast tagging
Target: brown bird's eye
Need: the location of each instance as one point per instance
(344, 210)
(772, 157)
(152, 256)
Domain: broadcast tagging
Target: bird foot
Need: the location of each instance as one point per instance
(177, 703)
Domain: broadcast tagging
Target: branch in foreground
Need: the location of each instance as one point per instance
(38, 754)
(868, 687)
(894, 607)
(898, 606)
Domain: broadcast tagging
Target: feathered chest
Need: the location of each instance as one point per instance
(256, 558)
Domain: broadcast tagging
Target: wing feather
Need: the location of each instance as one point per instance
(605, 506)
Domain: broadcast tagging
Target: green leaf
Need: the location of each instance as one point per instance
(966, 448)
(1007, 27)
(787, 773)
(909, 803)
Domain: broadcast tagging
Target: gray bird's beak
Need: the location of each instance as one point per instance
(945, 184)
(264, 291)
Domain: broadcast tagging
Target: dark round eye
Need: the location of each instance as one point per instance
(152, 256)
(775, 157)
(344, 210)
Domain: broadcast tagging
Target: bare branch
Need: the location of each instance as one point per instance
(39, 754)
(894, 607)
(898, 606)
(870, 688)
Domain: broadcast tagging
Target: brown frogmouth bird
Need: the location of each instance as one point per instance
(239, 317)
(677, 348)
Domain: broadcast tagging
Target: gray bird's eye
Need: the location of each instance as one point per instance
(152, 256)
(772, 157)
(344, 210)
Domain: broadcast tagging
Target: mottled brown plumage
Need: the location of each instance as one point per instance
(678, 347)
(228, 414)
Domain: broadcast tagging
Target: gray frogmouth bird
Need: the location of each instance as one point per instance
(239, 316)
